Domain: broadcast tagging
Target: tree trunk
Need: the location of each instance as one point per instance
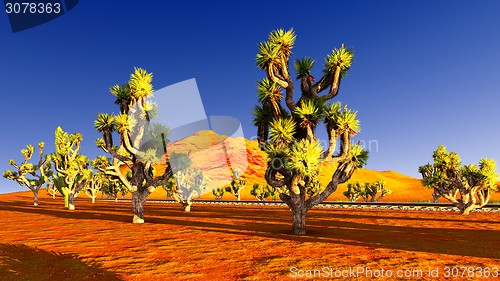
(332, 138)
(299, 220)
(435, 196)
(35, 196)
(138, 200)
(65, 200)
(187, 206)
(344, 144)
(71, 201)
(260, 136)
(238, 196)
(93, 200)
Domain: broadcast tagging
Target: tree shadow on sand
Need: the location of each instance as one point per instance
(323, 227)
(20, 262)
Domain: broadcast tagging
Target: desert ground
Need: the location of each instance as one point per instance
(99, 242)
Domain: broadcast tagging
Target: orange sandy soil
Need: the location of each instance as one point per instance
(98, 241)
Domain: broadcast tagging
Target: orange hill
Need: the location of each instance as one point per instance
(206, 152)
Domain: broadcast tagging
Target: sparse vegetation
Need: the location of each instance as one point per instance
(370, 192)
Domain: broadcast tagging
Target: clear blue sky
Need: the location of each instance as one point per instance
(425, 73)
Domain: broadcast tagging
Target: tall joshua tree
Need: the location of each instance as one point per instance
(71, 166)
(30, 175)
(294, 154)
(467, 187)
(142, 146)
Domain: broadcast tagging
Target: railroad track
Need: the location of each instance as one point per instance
(493, 207)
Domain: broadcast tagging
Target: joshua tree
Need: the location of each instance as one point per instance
(71, 166)
(142, 145)
(371, 190)
(237, 184)
(187, 184)
(29, 175)
(354, 191)
(261, 192)
(94, 185)
(218, 193)
(294, 154)
(467, 187)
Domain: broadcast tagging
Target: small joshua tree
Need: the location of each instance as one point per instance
(170, 188)
(294, 154)
(142, 144)
(71, 166)
(261, 192)
(218, 193)
(29, 175)
(467, 187)
(94, 185)
(371, 190)
(354, 191)
(187, 184)
(237, 184)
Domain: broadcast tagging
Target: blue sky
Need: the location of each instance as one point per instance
(425, 73)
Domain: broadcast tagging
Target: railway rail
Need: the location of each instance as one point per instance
(492, 207)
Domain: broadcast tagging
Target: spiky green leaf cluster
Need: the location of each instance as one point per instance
(268, 53)
(358, 155)
(141, 83)
(309, 113)
(125, 123)
(261, 115)
(346, 121)
(281, 132)
(121, 92)
(268, 91)
(278, 46)
(341, 58)
(104, 122)
(303, 67)
(285, 39)
(305, 157)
